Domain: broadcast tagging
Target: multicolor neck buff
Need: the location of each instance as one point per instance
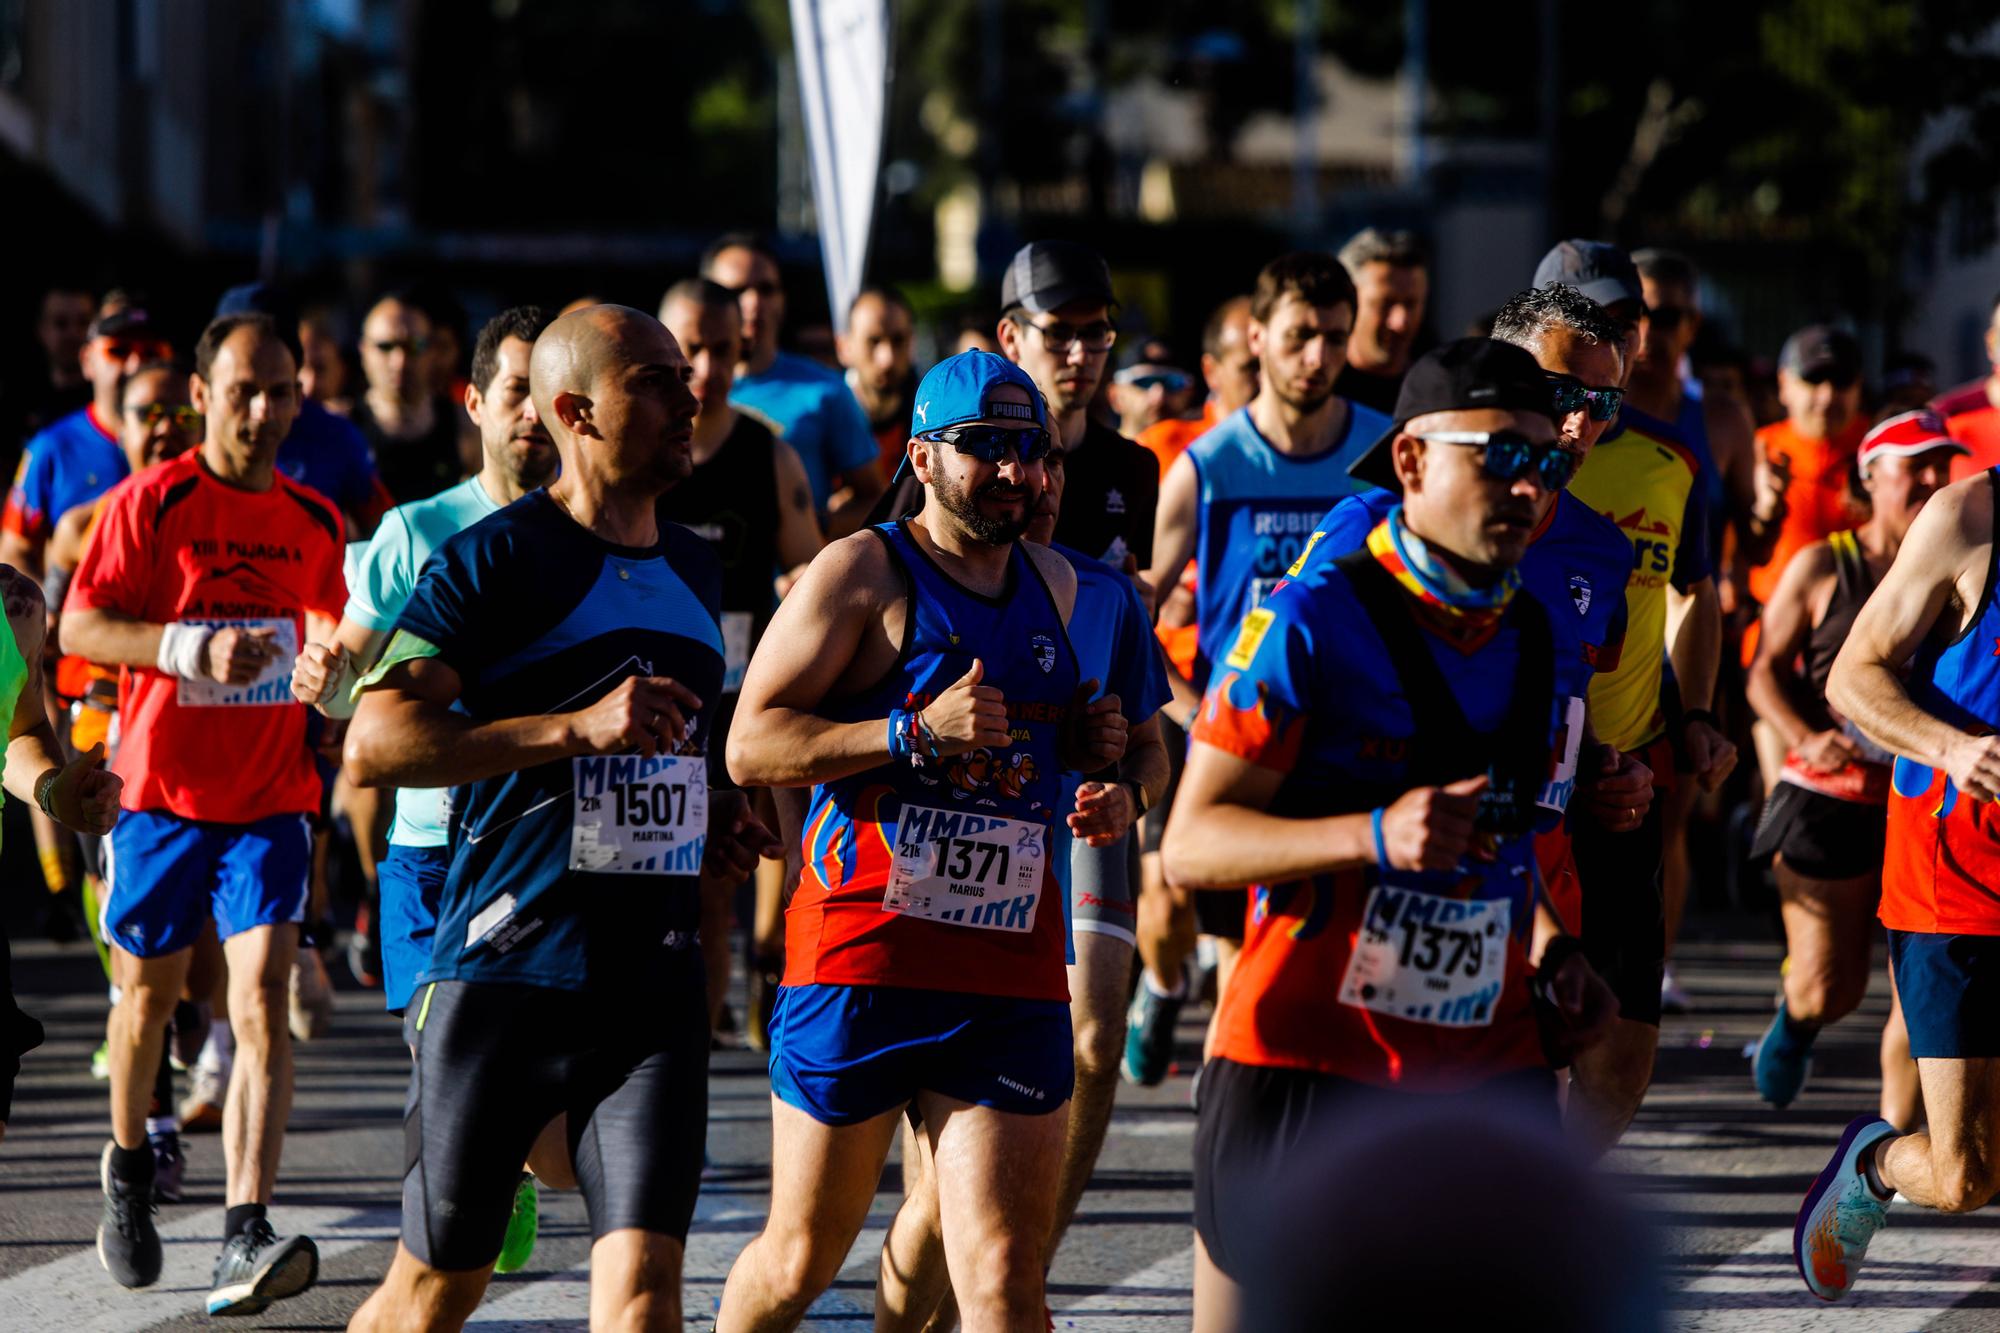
(1464, 616)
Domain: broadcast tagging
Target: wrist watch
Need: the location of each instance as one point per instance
(1140, 804)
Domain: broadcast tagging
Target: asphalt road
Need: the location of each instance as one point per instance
(1720, 1173)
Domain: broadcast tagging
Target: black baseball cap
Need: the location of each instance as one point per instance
(1045, 275)
(1818, 349)
(126, 321)
(1460, 376)
(1599, 270)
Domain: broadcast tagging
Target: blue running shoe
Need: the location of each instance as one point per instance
(1779, 1067)
(1149, 1035)
(256, 1268)
(1841, 1214)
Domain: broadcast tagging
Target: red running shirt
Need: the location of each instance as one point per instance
(175, 544)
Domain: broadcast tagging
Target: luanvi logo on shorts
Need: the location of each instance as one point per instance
(1021, 1088)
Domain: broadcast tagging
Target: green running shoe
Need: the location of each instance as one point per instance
(519, 1246)
(100, 1061)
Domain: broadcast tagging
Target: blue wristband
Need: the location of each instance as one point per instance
(1381, 847)
(899, 734)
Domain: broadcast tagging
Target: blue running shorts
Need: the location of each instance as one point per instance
(411, 879)
(845, 1054)
(165, 876)
(1950, 988)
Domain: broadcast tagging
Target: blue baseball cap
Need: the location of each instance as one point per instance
(959, 389)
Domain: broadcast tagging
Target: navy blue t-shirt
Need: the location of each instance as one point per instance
(537, 615)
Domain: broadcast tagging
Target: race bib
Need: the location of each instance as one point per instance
(966, 869)
(1569, 741)
(637, 816)
(273, 685)
(1429, 959)
(735, 649)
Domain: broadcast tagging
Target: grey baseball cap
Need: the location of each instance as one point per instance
(1045, 275)
(1599, 270)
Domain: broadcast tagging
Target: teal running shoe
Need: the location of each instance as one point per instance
(519, 1246)
(1780, 1068)
(1149, 1035)
(1841, 1214)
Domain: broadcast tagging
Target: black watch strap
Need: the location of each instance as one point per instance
(1139, 801)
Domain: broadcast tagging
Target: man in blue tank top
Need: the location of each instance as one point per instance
(558, 664)
(920, 678)
(1241, 503)
(1096, 859)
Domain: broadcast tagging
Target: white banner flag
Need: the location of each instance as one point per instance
(843, 56)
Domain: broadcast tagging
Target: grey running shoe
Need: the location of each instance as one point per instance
(256, 1268)
(128, 1245)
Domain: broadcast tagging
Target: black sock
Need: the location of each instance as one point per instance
(134, 1164)
(240, 1217)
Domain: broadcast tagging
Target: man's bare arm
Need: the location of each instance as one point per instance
(83, 796)
(1773, 682)
(1942, 564)
(111, 638)
(799, 538)
(1174, 527)
(1220, 836)
(1696, 645)
(848, 507)
(776, 739)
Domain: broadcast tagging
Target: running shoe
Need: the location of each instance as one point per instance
(1841, 1214)
(201, 1113)
(1779, 1068)
(1149, 1035)
(1673, 1000)
(519, 1246)
(364, 946)
(169, 1165)
(100, 1061)
(256, 1268)
(311, 997)
(128, 1245)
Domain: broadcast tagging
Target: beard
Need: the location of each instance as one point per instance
(1305, 404)
(963, 505)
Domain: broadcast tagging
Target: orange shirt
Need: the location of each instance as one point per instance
(1818, 502)
(1169, 439)
(1972, 420)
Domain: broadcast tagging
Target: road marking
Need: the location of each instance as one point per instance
(75, 1294)
(1160, 1295)
(1910, 1275)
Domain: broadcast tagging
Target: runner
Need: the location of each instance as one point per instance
(1348, 786)
(1917, 676)
(1392, 285)
(204, 575)
(875, 347)
(804, 402)
(748, 496)
(79, 794)
(1823, 821)
(1575, 567)
(1812, 451)
(1642, 477)
(1241, 503)
(922, 964)
(412, 430)
(1093, 855)
(1056, 323)
(1719, 433)
(558, 664)
(36, 395)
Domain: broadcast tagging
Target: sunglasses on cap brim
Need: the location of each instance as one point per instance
(990, 444)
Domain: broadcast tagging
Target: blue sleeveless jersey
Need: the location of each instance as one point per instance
(837, 929)
(1257, 509)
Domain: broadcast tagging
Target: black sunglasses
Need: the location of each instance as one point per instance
(1569, 394)
(1509, 455)
(1839, 378)
(989, 444)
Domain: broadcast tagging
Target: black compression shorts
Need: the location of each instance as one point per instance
(1624, 910)
(1821, 836)
(496, 1063)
